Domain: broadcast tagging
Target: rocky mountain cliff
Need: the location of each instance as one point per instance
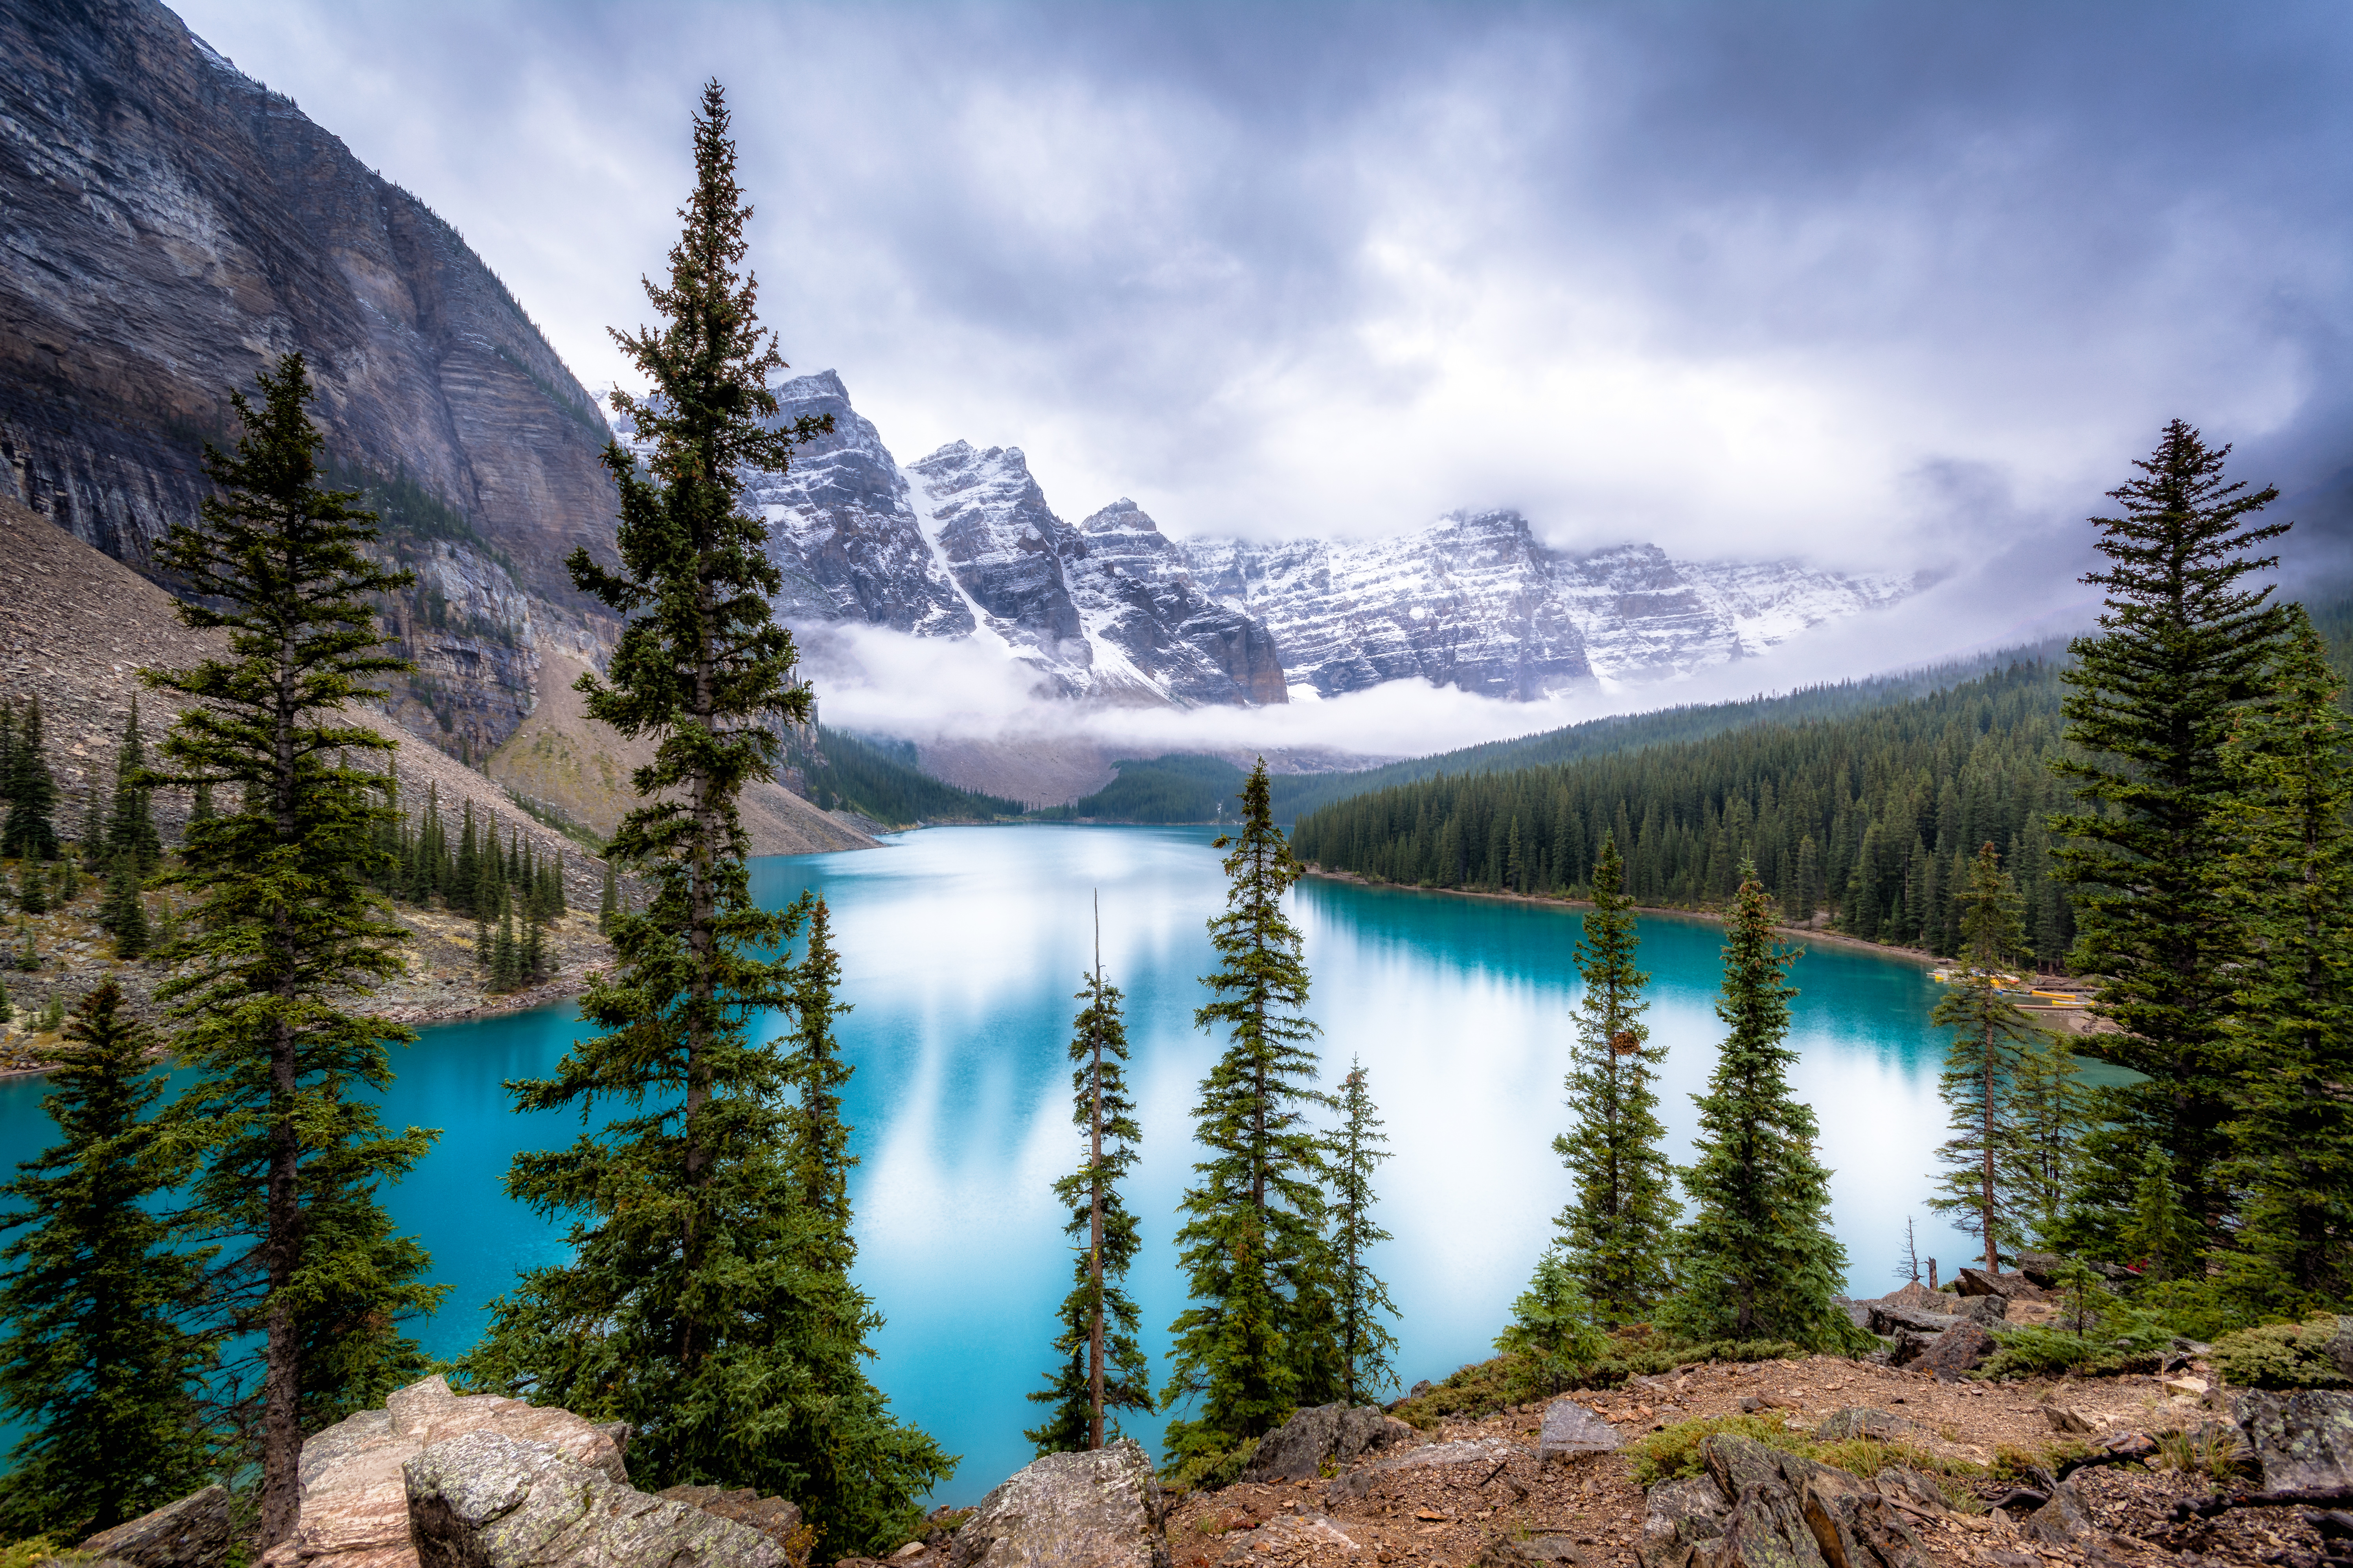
(167, 227)
(963, 543)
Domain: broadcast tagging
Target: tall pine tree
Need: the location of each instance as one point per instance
(1352, 1151)
(817, 1138)
(29, 832)
(130, 826)
(286, 927)
(1100, 1366)
(1258, 1340)
(2182, 649)
(101, 1360)
(689, 1304)
(1990, 1036)
(1617, 1232)
(2289, 826)
(1758, 1259)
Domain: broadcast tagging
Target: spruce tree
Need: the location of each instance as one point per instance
(2289, 866)
(1100, 1365)
(101, 1361)
(1617, 1232)
(817, 1138)
(1359, 1300)
(32, 889)
(124, 916)
(1258, 1340)
(30, 831)
(2049, 1110)
(687, 1305)
(607, 901)
(1552, 1324)
(2182, 649)
(1758, 1259)
(286, 926)
(1981, 1066)
(130, 828)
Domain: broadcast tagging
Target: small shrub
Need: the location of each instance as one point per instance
(1212, 1471)
(2214, 1450)
(2281, 1355)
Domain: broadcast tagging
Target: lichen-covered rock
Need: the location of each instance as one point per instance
(1570, 1428)
(488, 1501)
(773, 1517)
(2062, 1521)
(1099, 1510)
(193, 1532)
(355, 1502)
(1679, 1515)
(1855, 1527)
(1863, 1421)
(1339, 1434)
(2303, 1438)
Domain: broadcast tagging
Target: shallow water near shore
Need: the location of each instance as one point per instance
(961, 951)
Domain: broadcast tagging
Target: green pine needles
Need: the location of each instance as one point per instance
(130, 826)
(100, 1363)
(700, 1301)
(1757, 1260)
(2289, 868)
(2183, 647)
(1990, 1039)
(1259, 1339)
(286, 927)
(29, 831)
(1100, 1366)
(1617, 1231)
(1352, 1150)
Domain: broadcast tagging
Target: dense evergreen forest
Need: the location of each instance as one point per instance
(1180, 787)
(1872, 816)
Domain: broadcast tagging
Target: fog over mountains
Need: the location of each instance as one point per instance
(963, 543)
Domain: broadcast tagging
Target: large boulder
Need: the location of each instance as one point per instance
(1960, 1349)
(2009, 1287)
(1339, 1434)
(1893, 1318)
(2302, 1437)
(193, 1532)
(1570, 1428)
(353, 1506)
(1863, 1421)
(489, 1500)
(1102, 1509)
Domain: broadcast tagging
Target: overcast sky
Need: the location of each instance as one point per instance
(1902, 285)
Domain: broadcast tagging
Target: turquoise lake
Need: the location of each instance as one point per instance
(962, 949)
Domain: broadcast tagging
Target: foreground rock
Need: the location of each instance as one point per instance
(1099, 1510)
(193, 1532)
(1570, 1428)
(1759, 1508)
(354, 1510)
(773, 1517)
(488, 1501)
(1962, 1347)
(1338, 1435)
(2303, 1439)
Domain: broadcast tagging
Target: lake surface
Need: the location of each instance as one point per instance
(961, 951)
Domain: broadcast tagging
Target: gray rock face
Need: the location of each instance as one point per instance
(1680, 1514)
(1102, 1508)
(843, 526)
(1570, 1428)
(2062, 1521)
(487, 1500)
(193, 1532)
(1863, 1421)
(2302, 1437)
(2009, 1287)
(1339, 1434)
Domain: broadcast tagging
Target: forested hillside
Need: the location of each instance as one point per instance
(1297, 794)
(846, 771)
(1872, 816)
